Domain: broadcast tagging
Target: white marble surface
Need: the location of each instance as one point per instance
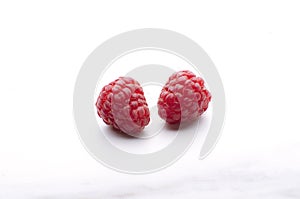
(233, 183)
(270, 175)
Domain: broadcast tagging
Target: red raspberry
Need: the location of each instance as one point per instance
(183, 98)
(122, 104)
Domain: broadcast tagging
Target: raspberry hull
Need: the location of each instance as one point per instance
(184, 97)
(122, 105)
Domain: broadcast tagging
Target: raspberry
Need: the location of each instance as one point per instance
(122, 104)
(183, 98)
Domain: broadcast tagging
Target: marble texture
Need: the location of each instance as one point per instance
(245, 180)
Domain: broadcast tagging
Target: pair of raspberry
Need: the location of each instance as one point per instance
(123, 105)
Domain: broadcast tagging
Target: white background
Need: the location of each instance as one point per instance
(255, 46)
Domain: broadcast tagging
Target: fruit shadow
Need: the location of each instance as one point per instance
(118, 133)
(184, 125)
